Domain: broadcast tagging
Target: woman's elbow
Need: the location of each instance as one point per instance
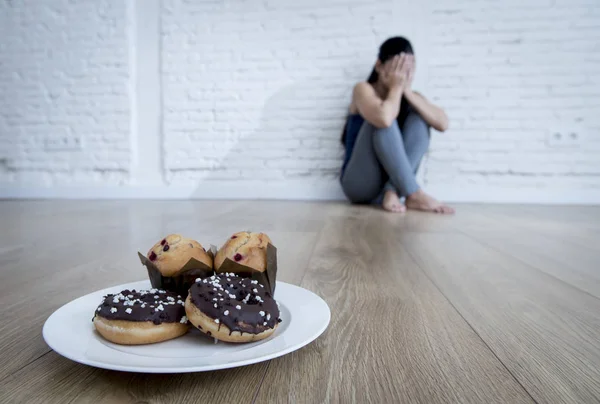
(441, 125)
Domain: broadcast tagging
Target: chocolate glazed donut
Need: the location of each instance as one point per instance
(141, 317)
(231, 308)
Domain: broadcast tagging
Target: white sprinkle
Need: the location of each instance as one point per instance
(113, 310)
(180, 301)
(238, 307)
(228, 280)
(254, 290)
(215, 299)
(130, 296)
(159, 308)
(265, 323)
(162, 291)
(198, 280)
(232, 296)
(217, 320)
(98, 309)
(116, 300)
(262, 313)
(204, 281)
(151, 306)
(128, 310)
(259, 299)
(169, 298)
(183, 320)
(254, 282)
(143, 305)
(155, 296)
(226, 312)
(216, 305)
(219, 294)
(261, 286)
(268, 317)
(221, 299)
(152, 290)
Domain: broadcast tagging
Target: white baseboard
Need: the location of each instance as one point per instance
(537, 196)
(292, 190)
(297, 190)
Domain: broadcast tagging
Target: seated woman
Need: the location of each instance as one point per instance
(387, 134)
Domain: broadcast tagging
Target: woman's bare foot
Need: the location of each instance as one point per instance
(421, 201)
(392, 203)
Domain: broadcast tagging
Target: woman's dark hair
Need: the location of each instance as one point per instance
(390, 48)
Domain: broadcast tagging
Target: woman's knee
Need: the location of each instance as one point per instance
(416, 129)
(360, 192)
(383, 137)
(415, 122)
(391, 130)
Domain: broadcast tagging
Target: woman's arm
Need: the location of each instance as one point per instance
(382, 113)
(432, 114)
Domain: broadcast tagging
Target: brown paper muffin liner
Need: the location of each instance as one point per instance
(267, 278)
(180, 283)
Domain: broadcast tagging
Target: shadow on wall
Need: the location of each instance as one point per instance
(294, 151)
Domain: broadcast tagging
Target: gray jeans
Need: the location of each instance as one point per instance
(385, 158)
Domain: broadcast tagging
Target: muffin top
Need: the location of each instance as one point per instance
(245, 248)
(174, 251)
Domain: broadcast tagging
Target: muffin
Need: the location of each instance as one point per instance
(245, 248)
(175, 262)
(174, 251)
(250, 255)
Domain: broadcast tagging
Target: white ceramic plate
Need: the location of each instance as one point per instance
(69, 331)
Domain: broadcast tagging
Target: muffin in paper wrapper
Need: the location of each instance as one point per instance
(181, 282)
(266, 278)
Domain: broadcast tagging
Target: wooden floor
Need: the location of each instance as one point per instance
(498, 304)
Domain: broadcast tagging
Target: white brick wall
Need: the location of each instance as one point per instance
(511, 74)
(64, 106)
(261, 92)
(255, 93)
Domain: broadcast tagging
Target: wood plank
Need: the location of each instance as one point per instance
(570, 262)
(393, 337)
(543, 330)
(571, 224)
(53, 379)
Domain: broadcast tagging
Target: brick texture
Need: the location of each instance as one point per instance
(512, 75)
(258, 90)
(64, 110)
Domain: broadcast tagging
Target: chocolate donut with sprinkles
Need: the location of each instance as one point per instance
(232, 309)
(141, 317)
